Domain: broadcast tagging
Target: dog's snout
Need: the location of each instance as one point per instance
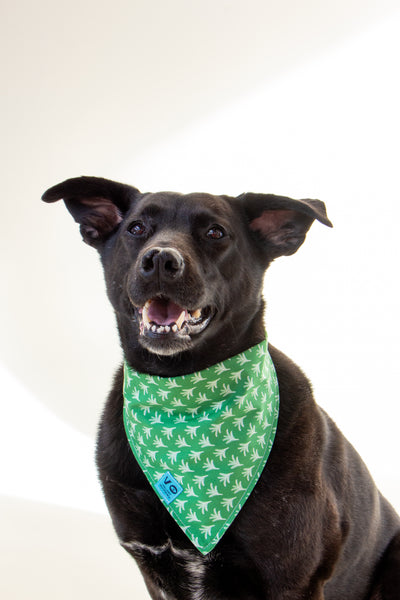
(166, 263)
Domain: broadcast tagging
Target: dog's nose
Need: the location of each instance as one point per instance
(166, 263)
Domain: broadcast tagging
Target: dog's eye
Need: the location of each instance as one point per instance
(216, 232)
(137, 228)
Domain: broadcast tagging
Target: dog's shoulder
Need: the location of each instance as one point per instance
(294, 386)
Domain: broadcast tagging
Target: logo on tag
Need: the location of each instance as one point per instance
(168, 488)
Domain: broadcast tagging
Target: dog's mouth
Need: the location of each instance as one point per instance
(161, 318)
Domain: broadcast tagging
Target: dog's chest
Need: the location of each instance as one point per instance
(174, 571)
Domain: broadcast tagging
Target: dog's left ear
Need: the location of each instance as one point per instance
(281, 223)
(97, 204)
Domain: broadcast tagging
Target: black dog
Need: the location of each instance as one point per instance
(315, 526)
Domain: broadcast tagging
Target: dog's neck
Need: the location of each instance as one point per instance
(229, 341)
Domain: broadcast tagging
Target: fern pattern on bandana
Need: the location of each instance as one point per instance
(203, 439)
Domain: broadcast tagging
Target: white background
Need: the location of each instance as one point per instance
(299, 99)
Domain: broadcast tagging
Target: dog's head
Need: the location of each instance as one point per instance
(183, 271)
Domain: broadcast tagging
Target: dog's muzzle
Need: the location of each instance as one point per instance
(169, 319)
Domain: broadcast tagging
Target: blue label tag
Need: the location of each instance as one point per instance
(168, 488)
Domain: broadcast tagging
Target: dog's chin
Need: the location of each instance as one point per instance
(165, 345)
(167, 329)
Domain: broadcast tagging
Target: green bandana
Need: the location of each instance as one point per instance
(203, 439)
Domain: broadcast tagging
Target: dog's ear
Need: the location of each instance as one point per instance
(281, 223)
(97, 204)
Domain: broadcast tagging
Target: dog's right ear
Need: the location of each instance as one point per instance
(97, 204)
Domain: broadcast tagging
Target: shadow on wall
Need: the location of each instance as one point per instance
(62, 553)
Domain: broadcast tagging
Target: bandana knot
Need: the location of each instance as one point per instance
(203, 439)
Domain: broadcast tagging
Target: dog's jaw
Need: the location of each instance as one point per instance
(166, 328)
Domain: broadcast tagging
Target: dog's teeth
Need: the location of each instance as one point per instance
(145, 316)
(167, 329)
(154, 328)
(181, 319)
(175, 328)
(196, 314)
(160, 329)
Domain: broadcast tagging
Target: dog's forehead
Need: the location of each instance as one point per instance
(177, 203)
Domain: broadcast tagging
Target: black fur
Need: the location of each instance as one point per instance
(315, 526)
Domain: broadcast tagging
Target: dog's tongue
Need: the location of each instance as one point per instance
(164, 312)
